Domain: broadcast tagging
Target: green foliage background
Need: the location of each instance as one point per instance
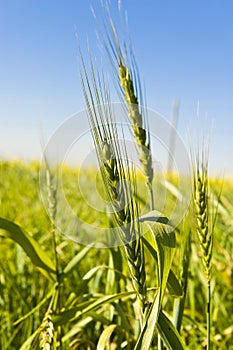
(96, 295)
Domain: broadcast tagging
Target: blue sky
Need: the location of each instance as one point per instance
(184, 50)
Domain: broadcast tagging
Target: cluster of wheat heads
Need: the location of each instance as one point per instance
(116, 174)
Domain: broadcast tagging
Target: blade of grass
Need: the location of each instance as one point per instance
(33, 250)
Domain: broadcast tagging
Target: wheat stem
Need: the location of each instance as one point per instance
(179, 303)
(52, 211)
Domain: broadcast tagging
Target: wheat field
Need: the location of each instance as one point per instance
(94, 303)
(94, 257)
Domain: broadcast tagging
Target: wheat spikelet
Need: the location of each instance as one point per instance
(139, 131)
(116, 177)
(46, 332)
(202, 215)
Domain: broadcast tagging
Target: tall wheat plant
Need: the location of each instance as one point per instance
(204, 231)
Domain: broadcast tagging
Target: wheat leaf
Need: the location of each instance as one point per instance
(105, 336)
(76, 260)
(173, 284)
(153, 217)
(29, 344)
(169, 333)
(33, 250)
(163, 242)
(84, 308)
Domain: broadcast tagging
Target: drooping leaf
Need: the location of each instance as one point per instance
(33, 250)
(154, 217)
(173, 284)
(163, 241)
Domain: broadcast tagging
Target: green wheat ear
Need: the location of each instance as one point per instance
(140, 134)
(127, 78)
(116, 175)
(47, 332)
(202, 214)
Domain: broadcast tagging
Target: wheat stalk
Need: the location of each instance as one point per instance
(116, 175)
(52, 187)
(205, 236)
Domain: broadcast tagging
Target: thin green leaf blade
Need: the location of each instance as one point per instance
(37, 307)
(32, 342)
(169, 333)
(76, 260)
(173, 284)
(146, 336)
(105, 336)
(163, 242)
(80, 310)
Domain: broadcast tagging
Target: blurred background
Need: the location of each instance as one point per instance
(184, 51)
